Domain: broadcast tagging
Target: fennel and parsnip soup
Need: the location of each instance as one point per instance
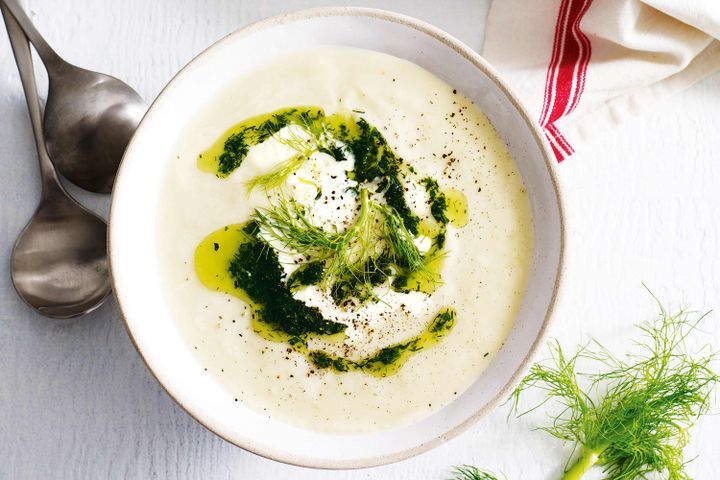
(345, 240)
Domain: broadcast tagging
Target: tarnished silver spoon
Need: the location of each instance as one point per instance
(59, 263)
(89, 117)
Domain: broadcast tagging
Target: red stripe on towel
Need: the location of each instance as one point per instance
(565, 79)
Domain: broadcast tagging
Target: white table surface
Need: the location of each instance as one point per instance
(76, 402)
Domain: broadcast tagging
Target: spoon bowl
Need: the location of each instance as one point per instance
(89, 116)
(89, 119)
(59, 265)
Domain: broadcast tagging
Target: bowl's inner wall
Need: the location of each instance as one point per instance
(134, 251)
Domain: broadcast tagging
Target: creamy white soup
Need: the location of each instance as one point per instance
(345, 240)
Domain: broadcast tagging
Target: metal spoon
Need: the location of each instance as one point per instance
(59, 263)
(89, 117)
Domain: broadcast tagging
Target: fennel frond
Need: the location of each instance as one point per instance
(469, 472)
(376, 246)
(632, 417)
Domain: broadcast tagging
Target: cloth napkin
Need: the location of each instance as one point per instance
(583, 66)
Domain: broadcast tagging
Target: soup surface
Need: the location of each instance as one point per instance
(344, 239)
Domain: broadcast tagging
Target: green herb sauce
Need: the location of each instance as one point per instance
(247, 267)
(306, 274)
(374, 158)
(228, 153)
(379, 247)
(436, 200)
(234, 260)
(389, 360)
(445, 207)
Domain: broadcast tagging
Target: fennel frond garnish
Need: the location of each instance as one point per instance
(276, 177)
(375, 247)
(317, 138)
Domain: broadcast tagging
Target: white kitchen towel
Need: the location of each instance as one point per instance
(583, 66)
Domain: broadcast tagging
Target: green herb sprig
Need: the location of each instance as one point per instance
(373, 248)
(632, 418)
(469, 472)
(319, 138)
(632, 415)
(277, 177)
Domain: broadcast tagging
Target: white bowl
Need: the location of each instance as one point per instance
(133, 248)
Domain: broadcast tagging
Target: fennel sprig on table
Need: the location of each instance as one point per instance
(630, 416)
(469, 472)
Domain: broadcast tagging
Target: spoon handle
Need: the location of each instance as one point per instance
(23, 58)
(51, 59)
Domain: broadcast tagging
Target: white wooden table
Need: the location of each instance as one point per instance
(76, 402)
